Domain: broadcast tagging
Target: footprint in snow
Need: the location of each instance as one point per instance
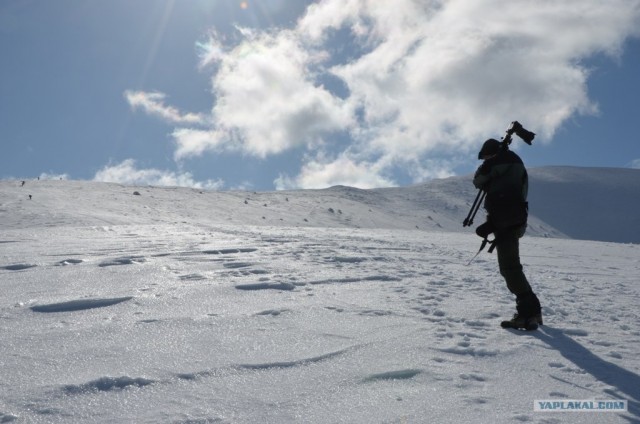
(272, 312)
(334, 308)
(125, 260)
(69, 262)
(236, 265)
(477, 400)
(473, 377)
(375, 312)
(470, 351)
(575, 332)
(477, 323)
(229, 251)
(192, 277)
(266, 286)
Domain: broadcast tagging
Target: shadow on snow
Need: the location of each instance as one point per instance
(623, 380)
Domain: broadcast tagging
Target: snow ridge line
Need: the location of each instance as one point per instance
(109, 384)
(291, 364)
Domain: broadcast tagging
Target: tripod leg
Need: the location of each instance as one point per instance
(484, 193)
(466, 221)
(474, 208)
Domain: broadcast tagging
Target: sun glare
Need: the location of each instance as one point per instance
(244, 5)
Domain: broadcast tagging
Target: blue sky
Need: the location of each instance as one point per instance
(275, 94)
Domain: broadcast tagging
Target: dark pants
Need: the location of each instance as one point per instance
(508, 247)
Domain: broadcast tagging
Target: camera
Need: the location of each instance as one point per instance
(517, 128)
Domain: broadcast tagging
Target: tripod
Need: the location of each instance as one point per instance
(468, 221)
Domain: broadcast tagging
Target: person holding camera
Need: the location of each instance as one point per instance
(503, 177)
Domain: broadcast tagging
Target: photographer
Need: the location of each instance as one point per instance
(503, 177)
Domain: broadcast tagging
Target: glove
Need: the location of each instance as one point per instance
(485, 229)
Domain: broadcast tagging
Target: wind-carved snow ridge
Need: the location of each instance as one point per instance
(381, 278)
(393, 375)
(291, 364)
(18, 267)
(79, 305)
(193, 376)
(272, 312)
(124, 260)
(106, 384)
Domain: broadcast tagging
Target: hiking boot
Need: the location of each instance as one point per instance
(528, 305)
(520, 322)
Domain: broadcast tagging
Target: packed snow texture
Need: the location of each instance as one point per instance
(328, 306)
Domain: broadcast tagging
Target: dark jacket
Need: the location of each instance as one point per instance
(504, 178)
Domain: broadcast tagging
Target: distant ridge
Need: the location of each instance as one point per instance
(588, 203)
(601, 204)
(582, 203)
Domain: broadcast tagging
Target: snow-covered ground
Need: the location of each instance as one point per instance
(329, 306)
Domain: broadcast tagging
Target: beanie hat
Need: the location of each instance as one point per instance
(489, 148)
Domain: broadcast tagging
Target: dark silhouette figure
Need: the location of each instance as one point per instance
(503, 177)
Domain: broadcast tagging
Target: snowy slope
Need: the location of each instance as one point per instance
(583, 203)
(180, 306)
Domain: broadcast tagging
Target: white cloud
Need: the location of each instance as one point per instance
(424, 80)
(635, 164)
(46, 176)
(194, 142)
(153, 104)
(267, 101)
(342, 171)
(449, 76)
(211, 51)
(127, 173)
